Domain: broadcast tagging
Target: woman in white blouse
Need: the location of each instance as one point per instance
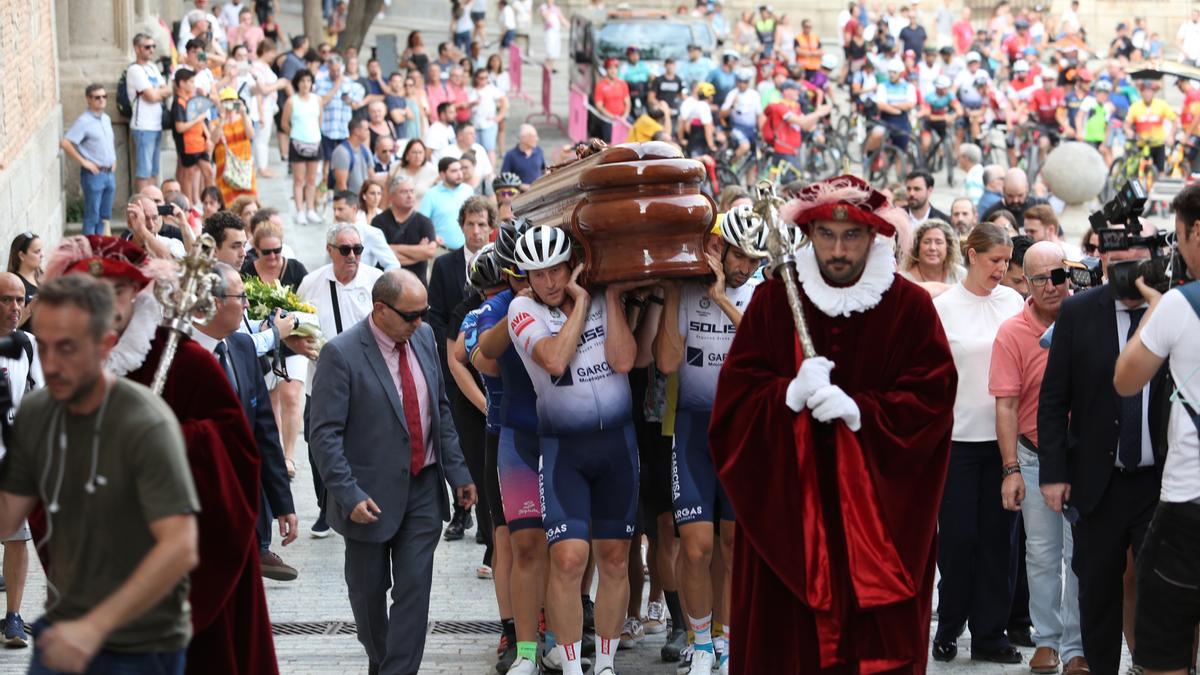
(977, 537)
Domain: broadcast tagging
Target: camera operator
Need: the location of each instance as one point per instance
(1168, 606)
(1100, 453)
(22, 372)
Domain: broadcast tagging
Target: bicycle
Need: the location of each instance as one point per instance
(940, 155)
(1136, 164)
(889, 160)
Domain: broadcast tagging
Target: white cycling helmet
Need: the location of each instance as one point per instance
(542, 247)
(896, 66)
(941, 82)
(829, 61)
(1021, 66)
(741, 227)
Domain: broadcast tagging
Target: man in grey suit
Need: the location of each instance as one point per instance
(385, 445)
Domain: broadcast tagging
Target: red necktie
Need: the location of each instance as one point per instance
(412, 410)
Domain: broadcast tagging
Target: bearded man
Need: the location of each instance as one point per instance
(854, 444)
(231, 629)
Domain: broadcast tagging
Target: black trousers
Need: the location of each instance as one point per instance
(1119, 521)
(472, 428)
(977, 542)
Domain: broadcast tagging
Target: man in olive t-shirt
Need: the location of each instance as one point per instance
(106, 458)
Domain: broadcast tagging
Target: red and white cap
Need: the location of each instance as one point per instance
(844, 199)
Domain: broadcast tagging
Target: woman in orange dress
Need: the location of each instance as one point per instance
(233, 132)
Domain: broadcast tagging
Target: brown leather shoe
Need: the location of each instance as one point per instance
(1045, 660)
(273, 567)
(1077, 666)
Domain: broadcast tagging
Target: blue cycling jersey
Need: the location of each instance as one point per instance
(518, 406)
(493, 387)
(939, 104)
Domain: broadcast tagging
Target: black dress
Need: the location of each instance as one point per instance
(293, 272)
(30, 292)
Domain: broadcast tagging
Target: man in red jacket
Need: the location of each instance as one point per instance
(853, 444)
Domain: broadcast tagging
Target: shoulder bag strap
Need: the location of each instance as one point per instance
(337, 311)
(1191, 291)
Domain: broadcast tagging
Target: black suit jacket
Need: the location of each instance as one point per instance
(934, 214)
(447, 288)
(256, 403)
(1079, 410)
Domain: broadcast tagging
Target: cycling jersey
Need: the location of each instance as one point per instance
(1021, 89)
(1095, 127)
(1149, 121)
(589, 395)
(939, 104)
(743, 107)
(518, 406)
(1045, 105)
(1072, 100)
(707, 333)
(696, 114)
(784, 137)
(896, 93)
(477, 321)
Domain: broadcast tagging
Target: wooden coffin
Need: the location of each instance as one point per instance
(635, 211)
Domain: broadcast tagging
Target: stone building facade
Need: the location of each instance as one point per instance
(30, 122)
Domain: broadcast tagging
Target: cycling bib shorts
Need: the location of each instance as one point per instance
(696, 494)
(589, 479)
(517, 465)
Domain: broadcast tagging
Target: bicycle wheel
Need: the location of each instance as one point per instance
(726, 176)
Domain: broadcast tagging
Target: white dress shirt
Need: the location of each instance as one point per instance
(353, 301)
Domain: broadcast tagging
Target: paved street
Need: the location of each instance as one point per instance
(459, 600)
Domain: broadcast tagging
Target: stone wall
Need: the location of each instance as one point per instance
(30, 123)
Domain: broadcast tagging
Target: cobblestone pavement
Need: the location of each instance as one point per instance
(319, 594)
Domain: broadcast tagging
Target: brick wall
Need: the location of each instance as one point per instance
(30, 123)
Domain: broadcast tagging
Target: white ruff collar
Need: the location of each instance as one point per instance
(134, 344)
(876, 279)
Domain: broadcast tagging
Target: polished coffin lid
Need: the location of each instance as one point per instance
(634, 210)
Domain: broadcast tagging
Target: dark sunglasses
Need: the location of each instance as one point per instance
(264, 252)
(410, 317)
(347, 250)
(98, 97)
(1056, 277)
(1090, 248)
(149, 46)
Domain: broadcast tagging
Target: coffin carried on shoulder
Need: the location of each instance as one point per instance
(635, 211)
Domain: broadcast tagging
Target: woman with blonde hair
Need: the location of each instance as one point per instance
(933, 255)
(287, 396)
(976, 535)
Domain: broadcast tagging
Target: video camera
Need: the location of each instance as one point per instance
(11, 347)
(1126, 209)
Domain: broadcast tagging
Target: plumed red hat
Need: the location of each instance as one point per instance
(845, 199)
(102, 257)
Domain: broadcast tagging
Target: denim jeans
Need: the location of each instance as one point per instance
(98, 190)
(148, 145)
(1053, 587)
(107, 662)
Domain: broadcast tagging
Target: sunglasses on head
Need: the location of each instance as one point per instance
(264, 252)
(410, 317)
(346, 250)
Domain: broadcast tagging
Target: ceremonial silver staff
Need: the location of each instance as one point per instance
(782, 243)
(183, 298)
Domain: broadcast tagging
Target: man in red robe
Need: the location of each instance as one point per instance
(231, 629)
(850, 448)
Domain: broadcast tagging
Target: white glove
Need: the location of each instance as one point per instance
(831, 403)
(813, 375)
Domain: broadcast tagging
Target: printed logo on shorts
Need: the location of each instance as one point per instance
(520, 322)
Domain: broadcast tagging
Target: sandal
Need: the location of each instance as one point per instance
(483, 572)
(291, 468)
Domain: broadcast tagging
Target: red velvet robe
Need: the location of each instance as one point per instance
(811, 497)
(232, 631)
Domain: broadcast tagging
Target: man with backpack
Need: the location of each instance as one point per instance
(21, 374)
(1168, 579)
(141, 97)
(351, 163)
